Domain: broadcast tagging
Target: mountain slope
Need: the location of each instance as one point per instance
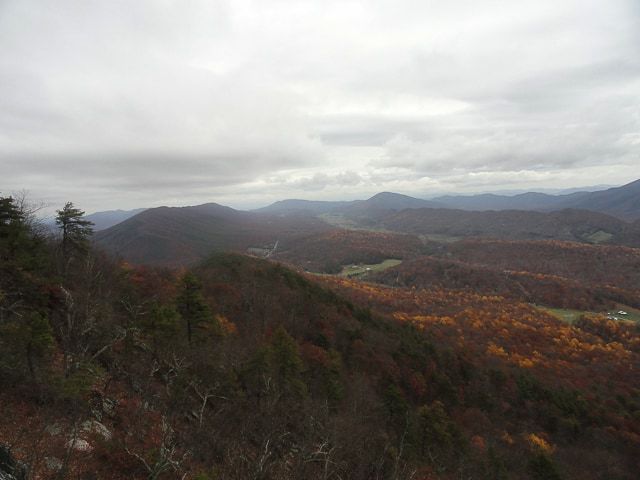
(242, 368)
(183, 235)
(573, 225)
(397, 201)
(109, 218)
(315, 207)
(552, 273)
(489, 201)
(621, 202)
(382, 202)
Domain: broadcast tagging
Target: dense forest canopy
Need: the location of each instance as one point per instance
(240, 367)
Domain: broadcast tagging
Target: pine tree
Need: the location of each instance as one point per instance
(25, 332)
(75, 230)
(192, 307)
(286, 363)
(13, 229)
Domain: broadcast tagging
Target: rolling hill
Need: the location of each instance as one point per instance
(381, 203)
(109, 218)
(621, 202)
(490, 201)
(329, 251)
(552, 273)
(315, 207)
(183, 235)
(240, 367)
(174, 236)
(369, 211)
(569, 224)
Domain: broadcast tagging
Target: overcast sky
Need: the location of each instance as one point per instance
(123, 104)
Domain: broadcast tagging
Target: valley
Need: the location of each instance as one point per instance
(370, 339)
(311, 240)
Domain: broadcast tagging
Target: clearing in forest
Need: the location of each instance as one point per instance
(359, 270)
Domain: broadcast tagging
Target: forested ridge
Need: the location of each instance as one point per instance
(552, 273)
(241, 368)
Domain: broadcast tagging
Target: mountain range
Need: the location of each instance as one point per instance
(383, 201)
(183, 235)
(622, 202)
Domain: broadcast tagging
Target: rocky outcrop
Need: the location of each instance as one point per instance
(10, 468)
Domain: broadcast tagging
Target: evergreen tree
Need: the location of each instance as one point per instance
(192, 307)
(23, 253)
(541, 467)
(26, 343)
(286, 363)
(13, 228)
(75, 230)
(25, 332)
(162, 325)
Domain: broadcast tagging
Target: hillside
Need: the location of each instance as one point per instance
(621, 202)
(551, 273)
(329, 251)
(571, 225)
(180, 236)
(109, 218)
(242, 368)
(396, 201)
(523, 201)
(368, 212)
(373, 207)
(595, 265)
(310, 206)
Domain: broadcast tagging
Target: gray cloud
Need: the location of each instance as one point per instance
(126, 104)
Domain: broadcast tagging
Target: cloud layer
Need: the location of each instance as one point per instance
(126, 104)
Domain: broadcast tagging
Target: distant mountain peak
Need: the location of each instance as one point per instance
(389, 195)
(399, 201)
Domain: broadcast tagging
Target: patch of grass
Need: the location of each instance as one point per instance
(435, 237)
(570, 316)
(340, 221)
(598, 237)
(359, 270)
(565, 314)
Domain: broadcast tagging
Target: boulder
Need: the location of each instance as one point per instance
(79, 445)
(95, 427)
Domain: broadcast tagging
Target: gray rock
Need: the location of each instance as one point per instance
(10, 468)
(109, 406)
(79, 445)
(53, 429)
(52, 463)
(93, 426)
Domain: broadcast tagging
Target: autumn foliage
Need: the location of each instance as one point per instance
(244, 368)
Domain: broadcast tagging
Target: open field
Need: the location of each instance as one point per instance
(570, 316)
(565, 314)
(599, 237)
(341, 221)
(434, 237)
(358, 270)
